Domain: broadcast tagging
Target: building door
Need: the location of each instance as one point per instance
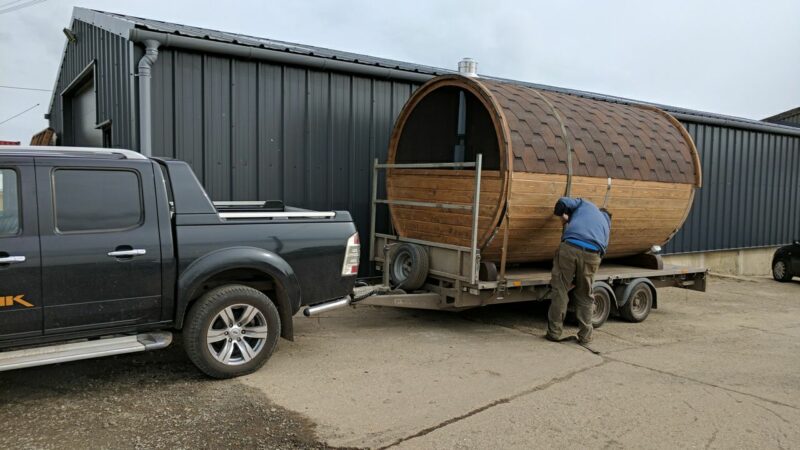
(84, 116)
(20, 277)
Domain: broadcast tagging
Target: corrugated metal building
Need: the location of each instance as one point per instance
(259, 118)
(790, 118)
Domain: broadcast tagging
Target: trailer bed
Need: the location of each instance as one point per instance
(540, 275)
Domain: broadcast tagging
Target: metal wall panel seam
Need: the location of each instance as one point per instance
(257, 122)
(231, 81)
(173, 74)
(282, 169)
(350, 147)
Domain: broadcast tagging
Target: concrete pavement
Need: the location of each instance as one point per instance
(716, 369)
(706, 370)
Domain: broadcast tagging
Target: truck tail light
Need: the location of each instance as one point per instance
(352, 256)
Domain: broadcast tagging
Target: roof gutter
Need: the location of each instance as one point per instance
(280, 57)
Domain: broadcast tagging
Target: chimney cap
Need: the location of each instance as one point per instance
(468, 67)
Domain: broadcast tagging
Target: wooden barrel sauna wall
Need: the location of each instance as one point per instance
(534, 143)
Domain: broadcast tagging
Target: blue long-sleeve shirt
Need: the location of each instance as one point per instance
(586, 223)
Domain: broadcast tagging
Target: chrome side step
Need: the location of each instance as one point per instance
(59, 353)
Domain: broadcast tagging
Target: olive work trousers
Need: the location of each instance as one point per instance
(570, 265)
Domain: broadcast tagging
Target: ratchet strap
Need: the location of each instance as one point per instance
(608, 193)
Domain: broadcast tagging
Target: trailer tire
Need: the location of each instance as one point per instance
(638, 302)
(408, 266)
(603, 297)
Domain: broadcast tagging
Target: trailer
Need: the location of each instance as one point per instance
(422, 274)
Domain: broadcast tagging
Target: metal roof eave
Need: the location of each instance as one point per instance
(112, 24)
(284, 57)
(130, 29)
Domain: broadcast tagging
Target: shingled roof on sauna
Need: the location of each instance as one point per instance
(608, 139)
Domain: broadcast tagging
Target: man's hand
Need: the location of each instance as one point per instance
(564, 219)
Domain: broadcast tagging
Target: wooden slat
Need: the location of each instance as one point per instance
(444, 173)
(463, 184)
(420, 212)
(644, 212)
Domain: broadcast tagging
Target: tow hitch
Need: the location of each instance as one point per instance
(359, 293)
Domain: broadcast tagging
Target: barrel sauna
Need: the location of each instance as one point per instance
(537, 146)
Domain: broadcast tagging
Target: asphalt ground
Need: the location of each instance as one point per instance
(706, 370)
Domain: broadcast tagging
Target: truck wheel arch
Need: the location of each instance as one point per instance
(287, 296)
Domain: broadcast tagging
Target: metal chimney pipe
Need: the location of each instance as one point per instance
(468, 67)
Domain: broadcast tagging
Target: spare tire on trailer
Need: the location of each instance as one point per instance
(408, 266)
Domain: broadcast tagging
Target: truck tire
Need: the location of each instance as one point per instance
(638, 304)
(780, 271)
(231, 331)
(603, 297)
(408, 266)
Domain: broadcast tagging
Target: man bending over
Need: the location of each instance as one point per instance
(583, 244)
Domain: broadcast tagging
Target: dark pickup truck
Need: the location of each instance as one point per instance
(105, 252)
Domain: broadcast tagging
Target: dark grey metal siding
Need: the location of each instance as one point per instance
(793, 120)
(112, 66)
(751, 191)
(255, 130)
(790, 118)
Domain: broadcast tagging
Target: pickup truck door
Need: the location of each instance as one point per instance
(101, 252)
(20, 276)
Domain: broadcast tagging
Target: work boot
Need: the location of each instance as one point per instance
(551, 338)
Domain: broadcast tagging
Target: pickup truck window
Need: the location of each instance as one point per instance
(9, 203)
(97, 200)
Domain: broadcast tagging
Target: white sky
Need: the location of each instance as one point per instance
(732, 57)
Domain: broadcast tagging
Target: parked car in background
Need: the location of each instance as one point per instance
(104, 252)
(786, 262)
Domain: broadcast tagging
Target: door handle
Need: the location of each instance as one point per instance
(132, 252)
(12, 259)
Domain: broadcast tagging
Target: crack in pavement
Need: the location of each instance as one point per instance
(501, 401)
(605, 360)
(768, 331)
(713, 438)
(773, 413)
(705, 383)
(676, 341)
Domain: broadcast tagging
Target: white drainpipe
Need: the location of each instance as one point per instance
(145, 110)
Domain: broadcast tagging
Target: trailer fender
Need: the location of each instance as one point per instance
(623, 291)
(607, 288)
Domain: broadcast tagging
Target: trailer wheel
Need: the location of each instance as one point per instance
(602, 304)
(408, 266)
(638, 304)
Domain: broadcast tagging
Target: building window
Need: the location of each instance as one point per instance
(105, 128)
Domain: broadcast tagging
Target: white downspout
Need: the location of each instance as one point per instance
(145, 109)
